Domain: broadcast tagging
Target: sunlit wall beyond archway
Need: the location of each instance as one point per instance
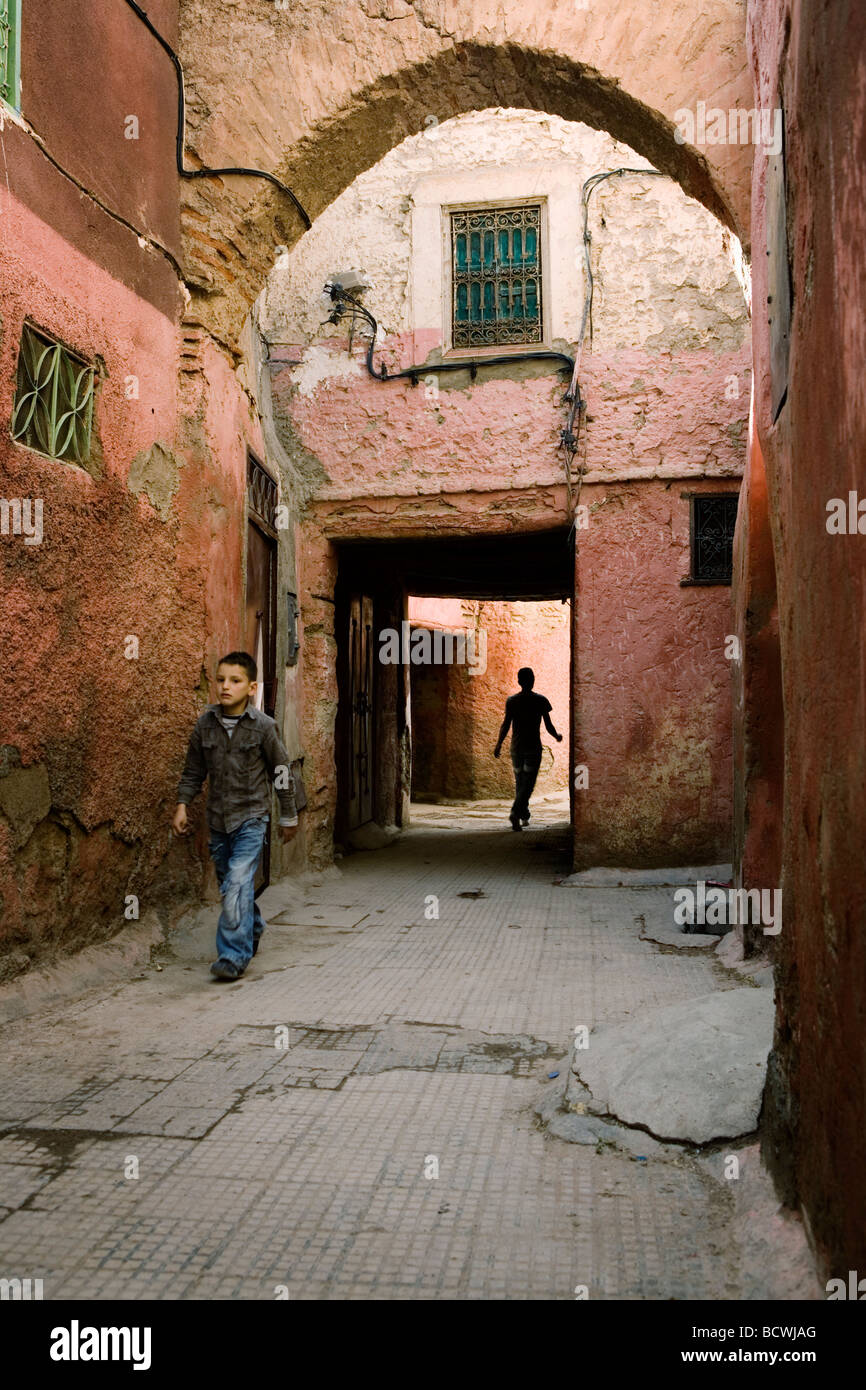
(457, 711)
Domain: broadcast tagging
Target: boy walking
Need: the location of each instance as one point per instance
(523, 714)
(239, 750)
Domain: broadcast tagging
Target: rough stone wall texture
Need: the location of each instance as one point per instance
(318, 91)
(663, 279)
(317, 682)
(651, 686)
(667, 378)
(815, 1104)
(145, 540)
(456, 716)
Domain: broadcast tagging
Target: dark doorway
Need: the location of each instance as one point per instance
(374, 749)
(359, 723)
(260, 612)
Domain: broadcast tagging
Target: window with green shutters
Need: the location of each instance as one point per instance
(496, 276)
(53, 408)
(10, 34)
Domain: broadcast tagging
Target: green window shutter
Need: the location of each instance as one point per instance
(10, 40)
(496, 276)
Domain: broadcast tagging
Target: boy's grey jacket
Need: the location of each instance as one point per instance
(239, 769)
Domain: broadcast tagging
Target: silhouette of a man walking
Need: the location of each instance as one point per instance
(523, 715)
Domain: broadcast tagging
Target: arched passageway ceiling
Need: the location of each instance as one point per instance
(317, 92)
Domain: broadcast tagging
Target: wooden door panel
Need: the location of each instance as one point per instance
(360, 711)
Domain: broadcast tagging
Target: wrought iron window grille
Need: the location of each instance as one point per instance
(261, 494)
(713, 518)
(53, 410)
(496, 276)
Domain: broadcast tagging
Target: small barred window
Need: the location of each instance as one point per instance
(53, 409)
(712, 538)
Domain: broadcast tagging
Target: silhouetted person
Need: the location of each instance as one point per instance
(523, 715)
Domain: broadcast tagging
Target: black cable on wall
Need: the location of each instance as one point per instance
(181, 124)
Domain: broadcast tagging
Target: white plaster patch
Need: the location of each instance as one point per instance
(321, 363)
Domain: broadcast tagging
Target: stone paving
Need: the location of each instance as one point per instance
(356, 1117)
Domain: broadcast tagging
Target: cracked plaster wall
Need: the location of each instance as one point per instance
(667, 383)
(666, 378)
(319, 90)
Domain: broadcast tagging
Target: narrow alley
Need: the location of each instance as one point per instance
(432, 599)
(357, 1117)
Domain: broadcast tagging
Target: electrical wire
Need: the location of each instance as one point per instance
(181, 125)
(571, 435)
(342, 297)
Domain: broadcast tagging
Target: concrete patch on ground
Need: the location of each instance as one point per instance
(567, 1117)
(663, 934)
(96, 967)
(691, 1072)
(655, 920)
(758, 969)
(372, 836)
(647, 878)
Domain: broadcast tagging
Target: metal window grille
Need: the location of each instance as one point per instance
(496, 276)
(261, 493)
(713, 522)
(9, 38)
(53, 410)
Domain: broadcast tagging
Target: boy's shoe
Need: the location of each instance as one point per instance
(524, 820)
(515, 823)
(225, 970)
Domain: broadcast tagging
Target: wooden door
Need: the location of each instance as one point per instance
(360, 712)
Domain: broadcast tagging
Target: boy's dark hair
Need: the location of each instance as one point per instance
(526, 677)
(242, 659)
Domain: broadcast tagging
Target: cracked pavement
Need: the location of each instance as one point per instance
(169, 1137)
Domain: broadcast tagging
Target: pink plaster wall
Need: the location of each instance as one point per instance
(94, 746)
(758, 706)
(649, 411)
(651, 699)
(652, 685)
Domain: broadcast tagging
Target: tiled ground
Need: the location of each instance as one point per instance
(175, 1138)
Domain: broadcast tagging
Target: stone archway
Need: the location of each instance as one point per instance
(375, 71)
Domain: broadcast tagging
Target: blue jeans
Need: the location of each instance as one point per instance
(235, 856)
